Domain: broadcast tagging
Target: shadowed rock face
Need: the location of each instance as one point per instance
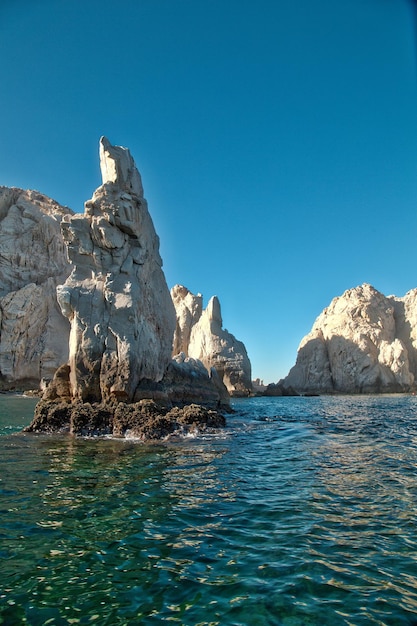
(116, 298)
(33, 332)
(363, 342)
(199, 335)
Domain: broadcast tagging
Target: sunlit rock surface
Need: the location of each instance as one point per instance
(33, 331)
(188, 308)
(363, 342)
(199, 334)
(116, 298)
(122, 325)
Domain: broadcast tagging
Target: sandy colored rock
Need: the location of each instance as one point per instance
(120, 378)
(33, 332)
(116, 298)
(200, 335)
(188, 309)
(364, 342)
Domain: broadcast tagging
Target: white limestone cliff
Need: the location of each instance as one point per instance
(116, 298)
(363, 342)
(33, 332)
(200, 335)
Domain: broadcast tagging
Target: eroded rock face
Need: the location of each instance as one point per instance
(364, 342)
(188, 381)
(116, 298)
(33, 332)
(199, 335)
(188, 309)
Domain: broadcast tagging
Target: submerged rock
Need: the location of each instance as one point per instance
(200, 335)
(364, 342)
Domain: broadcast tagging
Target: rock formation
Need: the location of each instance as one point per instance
(258, 386)
(116, 298)
(33, 332)
(199, 334)
(363, 342)
(188, 309)
(145, 420)
(122, 320)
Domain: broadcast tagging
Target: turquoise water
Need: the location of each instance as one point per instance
(303, 511)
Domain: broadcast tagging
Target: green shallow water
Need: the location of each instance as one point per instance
(301, 512)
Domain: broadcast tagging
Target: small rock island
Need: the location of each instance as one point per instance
(121, 378)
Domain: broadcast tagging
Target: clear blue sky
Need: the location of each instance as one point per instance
(277, 141)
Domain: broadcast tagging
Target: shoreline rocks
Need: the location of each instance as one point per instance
(145, 420)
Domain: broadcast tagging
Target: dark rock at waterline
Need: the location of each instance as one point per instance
(278, 389)
(146, 420)
(186, 400)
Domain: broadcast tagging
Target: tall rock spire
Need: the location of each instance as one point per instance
(118, 168)
(116, 298)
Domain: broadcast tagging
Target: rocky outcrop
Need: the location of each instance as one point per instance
(188, 381)
(199, 334)
(116, 298)
(145, 420)
(188, 309)
(278, 390)
(364, 342)
(122, 321)
(33, 331)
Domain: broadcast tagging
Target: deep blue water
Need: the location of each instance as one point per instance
(303, 511)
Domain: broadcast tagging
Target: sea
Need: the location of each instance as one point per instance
(302, 511)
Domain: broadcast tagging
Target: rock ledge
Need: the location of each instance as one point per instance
(145, 420)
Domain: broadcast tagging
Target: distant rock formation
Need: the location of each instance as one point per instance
(258, 386)
(364, 342)
(122, 317)
(33, 332)
(199, 334)
(280, 389)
